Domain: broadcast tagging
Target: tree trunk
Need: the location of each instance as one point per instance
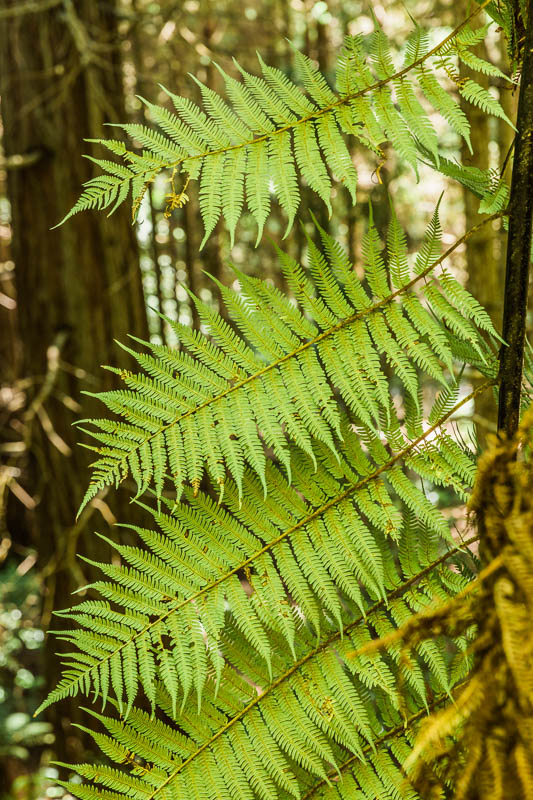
(484, 267)
(518, 250)
(78, 287)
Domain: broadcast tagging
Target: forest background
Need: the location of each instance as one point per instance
(65, 295)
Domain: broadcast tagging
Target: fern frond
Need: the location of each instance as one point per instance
(313, 712)
(473, 93)
(272, 128)
(187, 579)
(217, 402)
(236, 622)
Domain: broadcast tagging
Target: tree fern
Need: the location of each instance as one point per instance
(272, 129)
(216, 402)
(284, 453)
(237, 618)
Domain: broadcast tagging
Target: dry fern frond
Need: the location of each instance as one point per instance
(483, 743)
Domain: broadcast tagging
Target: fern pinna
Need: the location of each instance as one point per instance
(223, 643)
(271, 130)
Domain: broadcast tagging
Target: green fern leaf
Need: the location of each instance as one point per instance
(227, 143)
(478, 96)
(180, 416)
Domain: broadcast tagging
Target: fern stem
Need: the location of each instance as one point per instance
(308, 656)
(518, 250)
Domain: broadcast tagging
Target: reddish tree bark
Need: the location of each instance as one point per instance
(78, 287)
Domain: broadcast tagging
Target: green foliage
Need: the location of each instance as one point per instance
(272, 133)
(263, 699)
(250, 534)
(284, 452)
(236, 619)
(213, 403)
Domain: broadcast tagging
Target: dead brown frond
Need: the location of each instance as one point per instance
(482, 744)
(175, 199)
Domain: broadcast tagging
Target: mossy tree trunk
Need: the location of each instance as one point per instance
(78, 287)
(518, 249)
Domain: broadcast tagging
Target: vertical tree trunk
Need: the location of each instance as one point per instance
(485, 269)
(211, 256)
(518, 249)
(78, 287)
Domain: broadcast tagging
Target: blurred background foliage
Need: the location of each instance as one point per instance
(65, 69)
